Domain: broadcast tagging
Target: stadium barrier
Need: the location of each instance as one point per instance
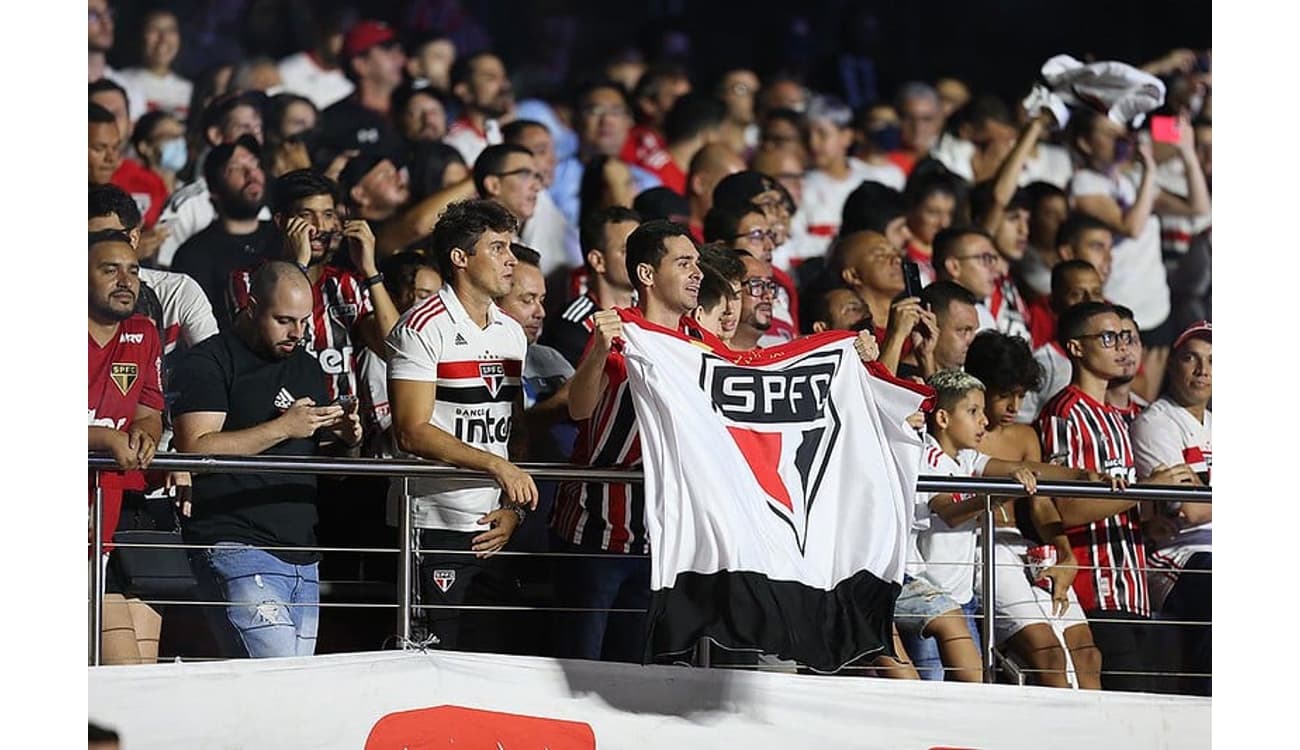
(988, 487)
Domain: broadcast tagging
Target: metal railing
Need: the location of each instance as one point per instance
(990, 487)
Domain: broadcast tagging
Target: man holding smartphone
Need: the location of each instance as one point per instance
(254, 390)
(350, 309)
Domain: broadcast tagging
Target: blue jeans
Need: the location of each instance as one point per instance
(610, 581)
(924, 652)
(272, 606)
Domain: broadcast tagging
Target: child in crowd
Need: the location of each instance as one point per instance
(939, 590)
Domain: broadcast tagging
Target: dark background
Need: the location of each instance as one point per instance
(996, 46)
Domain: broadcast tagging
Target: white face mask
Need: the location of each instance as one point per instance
(173, 154)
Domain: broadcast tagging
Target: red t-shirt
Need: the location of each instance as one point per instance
(645, 148)
(1042, 321)
(147, 188)
(123, 374)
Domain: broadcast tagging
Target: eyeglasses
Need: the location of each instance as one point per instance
(522, 171)
(756, 235)
(756, 287)
(107, 14)
(1108, 339)
(984, 259)
(740, 89)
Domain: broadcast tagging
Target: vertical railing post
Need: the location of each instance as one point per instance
(404, 566)
(703, 654)
(987, 591)
(97, 576)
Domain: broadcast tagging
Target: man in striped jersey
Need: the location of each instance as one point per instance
(601, 525)
(1079, 429)
(454, 367)
(604, 245)
(350, 304)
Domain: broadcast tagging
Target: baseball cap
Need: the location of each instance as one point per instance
(358, 167)
(217, 159)
(739, 189)
(1200, 328)
(662, 203)
(366, 34)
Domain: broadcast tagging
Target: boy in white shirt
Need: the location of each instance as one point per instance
(946, 548)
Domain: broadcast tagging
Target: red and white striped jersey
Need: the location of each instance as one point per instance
(1009, 309)
(603, 515)
(339, 300)
(1080, 432)
(476, 372)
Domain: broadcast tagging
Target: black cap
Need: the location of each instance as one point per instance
(357, 168)
(662, 203)
(215, 163)
(738, 190)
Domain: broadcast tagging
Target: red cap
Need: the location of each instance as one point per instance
(366, 34)
(1199, 328)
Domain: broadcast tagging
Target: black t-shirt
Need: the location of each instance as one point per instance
(348, 125)
(568, 333)
(210, 256)
(223, 375)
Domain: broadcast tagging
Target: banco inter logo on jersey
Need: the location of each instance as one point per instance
(481, 427)
(785, 424)
(494, 376)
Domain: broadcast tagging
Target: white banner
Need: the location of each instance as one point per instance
(395, 699)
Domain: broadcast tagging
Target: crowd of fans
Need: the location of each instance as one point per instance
(372, 248)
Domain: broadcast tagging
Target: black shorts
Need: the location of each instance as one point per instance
(114, 580)
(1162, 335)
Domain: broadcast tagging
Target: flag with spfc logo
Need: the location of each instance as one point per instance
(778, 491)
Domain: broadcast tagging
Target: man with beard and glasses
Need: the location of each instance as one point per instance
(482, 85)
(124, 418)
(253, 389)
(757, 290)
(236, 238)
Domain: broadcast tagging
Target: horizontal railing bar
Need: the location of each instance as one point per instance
(396, 467)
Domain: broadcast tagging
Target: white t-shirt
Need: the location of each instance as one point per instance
(551, 235)
(1166, 433)
(955, 154)
(187, 313)
(1050, 164)
(824, 196)
(1057, 371)
(1176, 232)
(949, 552)
(1137, 271)
(301, 75)
(169, 93)
(478, 375)
(985, 315)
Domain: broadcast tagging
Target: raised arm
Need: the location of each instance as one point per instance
(1008, 175)
(418, 220)
(589, 380)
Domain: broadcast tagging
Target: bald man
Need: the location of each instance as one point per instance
(227, 386)
(708, 167)
(869, 265)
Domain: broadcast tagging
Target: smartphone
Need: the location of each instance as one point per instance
(347, 401)
(1164, 129)
(911, 279)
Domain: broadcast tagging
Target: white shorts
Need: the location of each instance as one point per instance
(1018, 603)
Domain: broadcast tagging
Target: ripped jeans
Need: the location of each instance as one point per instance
(271, 606)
